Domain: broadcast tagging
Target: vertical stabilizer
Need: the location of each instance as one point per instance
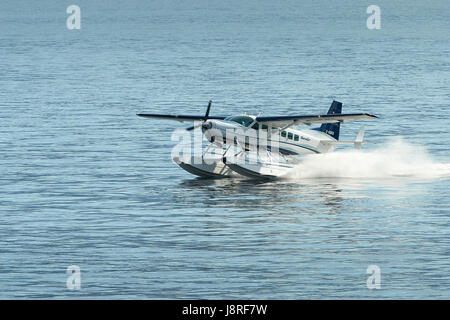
(332, 129)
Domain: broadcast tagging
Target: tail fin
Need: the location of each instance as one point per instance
(332, 129)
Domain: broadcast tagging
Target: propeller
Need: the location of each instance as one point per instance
(207, 110)
(204, 125)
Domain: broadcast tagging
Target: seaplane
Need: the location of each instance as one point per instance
(255, 146)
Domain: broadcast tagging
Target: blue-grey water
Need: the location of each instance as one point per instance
(85, 182)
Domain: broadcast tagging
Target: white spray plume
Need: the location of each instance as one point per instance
(392, 159)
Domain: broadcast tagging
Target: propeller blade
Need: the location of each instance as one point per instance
(207, 110)
(193, 127)
(204, 119)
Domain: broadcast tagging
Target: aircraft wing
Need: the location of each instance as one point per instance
(282, 121)
(180, 117)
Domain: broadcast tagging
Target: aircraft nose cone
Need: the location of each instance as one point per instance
(206, 126)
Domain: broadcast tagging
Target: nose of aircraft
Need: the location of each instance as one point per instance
(206, 126)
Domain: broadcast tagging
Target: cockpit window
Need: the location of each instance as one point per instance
(243, 120)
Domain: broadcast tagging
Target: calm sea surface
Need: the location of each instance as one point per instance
(85, 182)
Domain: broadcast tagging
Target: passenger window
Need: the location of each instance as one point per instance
(255, 126)
(265, 127)
(283, 134)
(290, 135)
(296, 137)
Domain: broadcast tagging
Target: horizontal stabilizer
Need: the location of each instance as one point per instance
(357, 143)
(359, 138)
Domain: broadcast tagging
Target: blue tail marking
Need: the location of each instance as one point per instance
(332, 129)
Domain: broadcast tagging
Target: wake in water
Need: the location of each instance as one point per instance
(393, 159)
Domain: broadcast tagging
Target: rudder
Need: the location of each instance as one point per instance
(332, 129)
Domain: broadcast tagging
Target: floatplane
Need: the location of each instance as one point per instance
(258, 146)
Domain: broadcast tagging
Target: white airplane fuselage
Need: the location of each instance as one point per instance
(287, 141)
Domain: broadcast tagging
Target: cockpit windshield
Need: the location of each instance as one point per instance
(243, 120)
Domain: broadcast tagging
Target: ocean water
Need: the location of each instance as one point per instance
(85, 182)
